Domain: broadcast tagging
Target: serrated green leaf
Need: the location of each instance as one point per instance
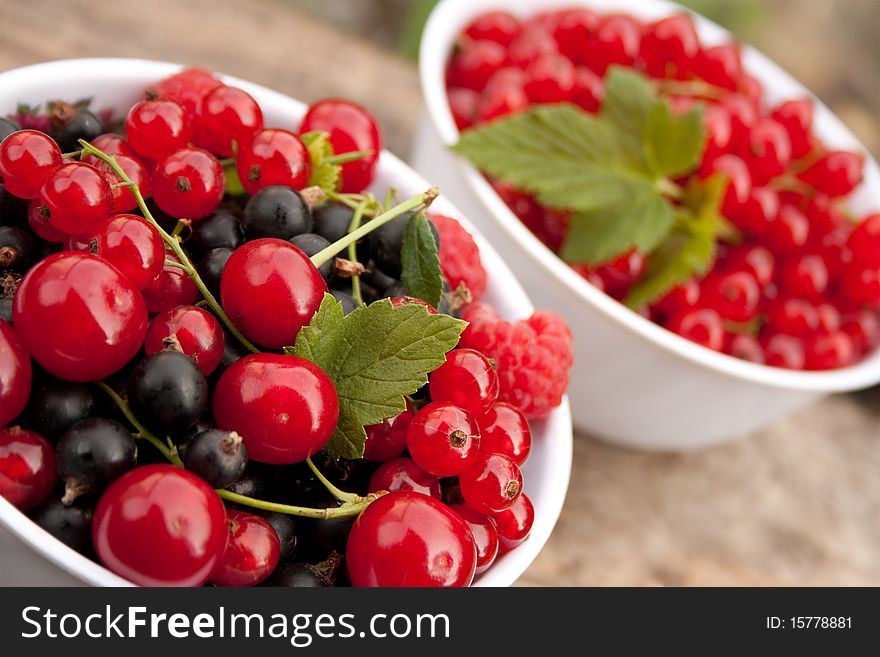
(628, 102)
(324, 174)
(375, 356)
(421, 275)
(673, 142)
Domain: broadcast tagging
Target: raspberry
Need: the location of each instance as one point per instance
(459, 256)
(532, 356)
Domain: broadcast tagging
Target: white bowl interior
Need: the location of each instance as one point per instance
(443, 28)
(117, 84)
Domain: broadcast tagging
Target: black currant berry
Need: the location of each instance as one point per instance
(7, 127)
(6, 309)
(386, 242)
(222, 229)
(377, 279)
(92, 454)
(70, 524)
(396, 289)
(306, 575)
(13, 210)
(256, 481)
(332, 221)
(57, 405)
(276, 211)
(18, 250)
(310, 244)
(317, 537)
(168, 392)
(232, 351)
(210, 268)
(219, 457)
(285, 527)
(347, 301)
(83, 125)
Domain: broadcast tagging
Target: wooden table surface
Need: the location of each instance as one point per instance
(798, 503)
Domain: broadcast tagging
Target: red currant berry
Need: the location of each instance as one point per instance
(27, 467)
(864, 241)
(622, 272)
(805, 276)
(498, 26)
(350, 128)
(387, 440)
(79, 317)
(588, 90)
(227, 114)
(189, 88)
(443, 439)
(195, 330)
(755, 259)
(785, 351)
(160, 510)
(485, 535)
(863, 328)
(123, 199)
(532, 43)
(759, 211)
(745, 347)
(27, 157)
(861, 284)
(573, 32)
(735, 295)
(739, 185)
(189, 183)
(550, 79)
(15, 375)
(719, 134)
(836, 173)
(76, 197)
(157, 128)
(721, 65)
(285, 407)
(789, 231)
(505, 94)
(669, 47)
(474, 64)
(171, 288)
(463, 105)
(515, 523)
(252, 551)
(829, 317)
(467, 379)
(133, 246)
(109, 144)
(703, 326)
(491, 484)
(616, 41)
(505, 430)
(403, 474)
(679, 299)
(38, 221)
(743, 114)
(796, 116)
(770, 150)
(263, 276)
(410, 539)
(273, 157)
(828, 351)
(794, 317)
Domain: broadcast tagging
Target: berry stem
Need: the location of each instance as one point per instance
(343, 158)
(142, 431)
(340, 495)
(668, 188)
(417, 202)
(172, 242)
(352, 252)
(696, 88)
(346, 510)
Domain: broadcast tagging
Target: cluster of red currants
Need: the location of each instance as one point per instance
(801, 289)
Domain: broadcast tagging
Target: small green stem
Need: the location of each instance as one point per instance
(417, 202)
(120, 185)
(174, 263)
(173, 243)
(72, 155)
(178, 228)
(142, 431)
(352, 253)
(344, 158)
(346, 510)
(668, 188)
(340, 495)
(389, 199)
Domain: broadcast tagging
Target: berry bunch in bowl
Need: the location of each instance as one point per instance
(746, 244)
(212, 319)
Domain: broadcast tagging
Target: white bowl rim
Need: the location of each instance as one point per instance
(432, 61)
(559, 434)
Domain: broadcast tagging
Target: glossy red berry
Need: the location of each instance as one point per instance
(861, 284)
(27, 467)
(402, 474)
(443, 439)
(827, 351)
(188, 87)
(498, 26)
(588, 90)
(157, 128)
(491, 484)
(474, 64)
(719, 134)
(679, 299)
(410, 539)
(195, 330)
(573, 31)
(387, 440)
(463, 105)
(515, 523)
(123, 199)
(273, 157)
(227, 114)
(739, 184)
(770, 150)
(40, 226)
(622, 272)
(792, 316)
(252, 551)
(504, 94)
(734, 295)
(864, 241)
(829, 317)
(284, 407)
(505, 430)
(534, 42)
(550, 79)
(110, 144)
(171, 288)
(720, 65)
(703, 326)
(863, 328)
(805, 276)
(669, 47)
(160, 510)
(789, 231)
(27, 157)
(796, 116)
(616, 41)
(744, 347)
(484, 532)
(189, 183)
(836, 173)
(15, 374)
(350, 128)
(76, 197)
(467, 379)
(79, 317)
(759, 211)
(755, 259)
(784, 351)
(132, 245)
(266, 275)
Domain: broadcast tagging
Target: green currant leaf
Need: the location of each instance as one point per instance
(324, 175)
(375, 355)
(421, 275)
(673, 143)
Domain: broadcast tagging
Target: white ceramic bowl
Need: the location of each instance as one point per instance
(30, 556)
(633, 382)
